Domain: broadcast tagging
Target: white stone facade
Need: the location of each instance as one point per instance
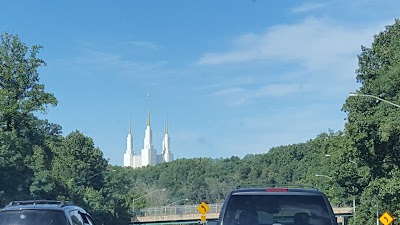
(148, 154)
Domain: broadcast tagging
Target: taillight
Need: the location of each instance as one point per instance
(276, 189)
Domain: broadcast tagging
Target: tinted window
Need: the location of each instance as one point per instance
(33, 217)
(75, 218)
(276, 209)
(87, 219)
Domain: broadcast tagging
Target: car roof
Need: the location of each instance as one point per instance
(277, 190)
(41, 205)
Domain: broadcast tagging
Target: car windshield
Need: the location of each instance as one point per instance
(276, 209)
(32, 217)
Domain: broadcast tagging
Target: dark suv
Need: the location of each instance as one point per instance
(276, 206)
(44, 212)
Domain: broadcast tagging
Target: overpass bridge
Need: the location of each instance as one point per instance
(188, 214)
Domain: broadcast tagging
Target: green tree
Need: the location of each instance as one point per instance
(21, 133)
(20, 92)
(373, 126)
(77, 164)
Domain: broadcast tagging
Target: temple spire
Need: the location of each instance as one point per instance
(166, 126)
(148, 109)
(130, 125)
(166, 151)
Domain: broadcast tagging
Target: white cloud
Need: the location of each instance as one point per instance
(117, 63)
(277, 90)
(322, 53)
(145, 44)
(238, 96)
(284, 118)
(259, 131)
(308, 6)
(313, 43)
(113, 59)
(229, 91)
(233, 81)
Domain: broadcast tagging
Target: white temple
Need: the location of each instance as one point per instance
(148, 154)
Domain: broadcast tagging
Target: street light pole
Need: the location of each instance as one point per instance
(372, 96)
(391, 103)
(354, 196)
(134, 199)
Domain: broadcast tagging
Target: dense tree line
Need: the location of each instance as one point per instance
(38, 162)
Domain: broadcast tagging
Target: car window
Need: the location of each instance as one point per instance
(76, 218)
(33, 217)
(87, 219)
(276, 209)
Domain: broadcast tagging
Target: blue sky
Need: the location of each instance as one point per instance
(233, 77)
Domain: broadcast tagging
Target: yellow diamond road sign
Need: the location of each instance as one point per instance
(386, 219)
(203, 208)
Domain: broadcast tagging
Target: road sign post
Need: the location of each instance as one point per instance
(203, 208)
